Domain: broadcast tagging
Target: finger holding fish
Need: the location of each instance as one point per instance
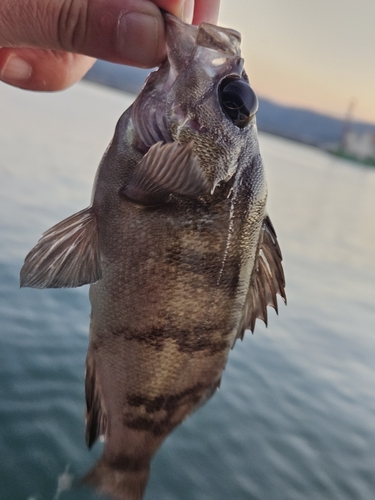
(50, 45)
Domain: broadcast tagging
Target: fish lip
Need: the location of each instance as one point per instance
(172, 22)
(221, 39)
(225, 40)
(212, 29)
(170, 18)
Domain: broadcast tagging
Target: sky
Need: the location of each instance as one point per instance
(316, 54)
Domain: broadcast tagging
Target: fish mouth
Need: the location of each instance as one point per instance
(183, 39)
(177, 28)
(212, 49)
(208, 35)
(215, 51)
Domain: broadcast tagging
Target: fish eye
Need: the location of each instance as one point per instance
(238, 100)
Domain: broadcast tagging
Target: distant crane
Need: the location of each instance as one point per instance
(347, 124)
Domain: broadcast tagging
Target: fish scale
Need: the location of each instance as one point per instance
(177, 247)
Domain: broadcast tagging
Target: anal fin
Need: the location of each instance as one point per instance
(166, 169)
(96, 418)
(67, 255)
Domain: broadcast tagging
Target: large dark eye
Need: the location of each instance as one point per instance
(238, 100)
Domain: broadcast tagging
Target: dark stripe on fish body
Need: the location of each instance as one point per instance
(187, 341)
(200, 340)
(159, 428)
(210, 266)
(169, 403)
(129, 463)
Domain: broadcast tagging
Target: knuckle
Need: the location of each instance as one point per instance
(72, 24)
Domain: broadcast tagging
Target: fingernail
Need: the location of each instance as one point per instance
(138, 38)
(188, 11)
(15, 70)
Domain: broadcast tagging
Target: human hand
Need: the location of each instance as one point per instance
(51, 44)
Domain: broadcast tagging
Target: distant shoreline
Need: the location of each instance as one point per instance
(295, 124)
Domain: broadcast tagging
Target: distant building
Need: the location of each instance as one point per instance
(360, 146)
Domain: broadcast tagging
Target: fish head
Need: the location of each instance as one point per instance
(201, 94)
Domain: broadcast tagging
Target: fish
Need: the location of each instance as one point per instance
(177, 246)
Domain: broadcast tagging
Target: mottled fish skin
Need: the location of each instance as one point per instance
(179, 249)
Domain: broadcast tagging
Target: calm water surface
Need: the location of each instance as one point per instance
(295, 416)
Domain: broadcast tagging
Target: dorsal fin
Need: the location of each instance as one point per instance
(266, 282)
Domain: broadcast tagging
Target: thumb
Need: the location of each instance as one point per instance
(121, 31)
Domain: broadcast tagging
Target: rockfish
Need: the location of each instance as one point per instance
(177, 246)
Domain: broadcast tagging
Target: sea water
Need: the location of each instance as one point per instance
(294, 418)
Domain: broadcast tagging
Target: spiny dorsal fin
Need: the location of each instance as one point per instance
(96, 418)
(66, 256)
(266, 282)
(166, 169)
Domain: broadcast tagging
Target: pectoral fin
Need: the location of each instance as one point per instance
(166, 169)
(67, 255)
(267, 280)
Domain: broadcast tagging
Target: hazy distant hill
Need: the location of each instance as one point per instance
(294, 123)
(118, 76)
(302, 124)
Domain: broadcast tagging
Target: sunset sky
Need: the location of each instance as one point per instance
(316, 54)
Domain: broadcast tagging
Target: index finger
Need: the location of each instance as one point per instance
(197, 11)
(206, 11)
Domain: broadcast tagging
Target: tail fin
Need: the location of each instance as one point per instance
(127, 483)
